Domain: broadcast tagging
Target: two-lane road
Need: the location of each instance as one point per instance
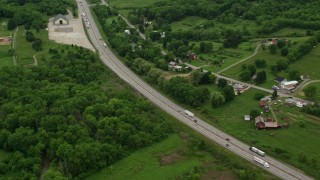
(277, 168)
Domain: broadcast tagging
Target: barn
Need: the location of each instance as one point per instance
(60, 20)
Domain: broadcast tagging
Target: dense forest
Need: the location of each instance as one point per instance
(33, 13)
(60, 111)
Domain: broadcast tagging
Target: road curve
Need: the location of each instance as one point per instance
(277, 168)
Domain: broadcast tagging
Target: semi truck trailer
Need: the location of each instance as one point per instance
(258, 151)
(189, 113)
(260, 161)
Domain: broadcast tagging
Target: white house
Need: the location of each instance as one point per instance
(60, 20)
(288, 85)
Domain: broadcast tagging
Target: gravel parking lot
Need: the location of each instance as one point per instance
(77, 36)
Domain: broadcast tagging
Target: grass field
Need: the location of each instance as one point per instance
(309, 64)
(146, 163)
(24, 48)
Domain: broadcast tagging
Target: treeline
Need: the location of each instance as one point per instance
(303, 49)
(33, 13)
(60, 111)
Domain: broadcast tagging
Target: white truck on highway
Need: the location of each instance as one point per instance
(260, 161)
(189, 113)
(258, 151)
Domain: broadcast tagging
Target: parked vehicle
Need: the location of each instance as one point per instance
(260, 161)
(104, 45)
(258, 151)
(189, 113)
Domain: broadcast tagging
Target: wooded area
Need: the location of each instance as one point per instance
(60, 111)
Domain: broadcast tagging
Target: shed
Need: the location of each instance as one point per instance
(60, 20)
(247, 117)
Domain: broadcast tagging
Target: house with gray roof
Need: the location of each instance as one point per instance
(60, 20)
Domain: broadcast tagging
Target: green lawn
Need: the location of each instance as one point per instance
(24, 48)
(309, 64)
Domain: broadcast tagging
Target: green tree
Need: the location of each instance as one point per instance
(252, 69)
(261, 77)
(310, 91)
(222, 83)
(217, 99)
(258, 96)
(282, 64)
(294, 75)
(281, 43)
(254, 113)
(260, 63)
(284, 51)
(11, 24)
(228, 93)
(274, 94)
(273, 49)
(245, 75)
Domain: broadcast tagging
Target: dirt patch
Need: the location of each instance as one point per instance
(170, 159)
(4, 40)
(218, 175)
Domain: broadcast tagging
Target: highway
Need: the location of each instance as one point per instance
(277, 168)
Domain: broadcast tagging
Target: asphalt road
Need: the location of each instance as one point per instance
(277, 168)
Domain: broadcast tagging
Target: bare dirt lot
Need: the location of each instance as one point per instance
(77, 36)
(4, 40)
